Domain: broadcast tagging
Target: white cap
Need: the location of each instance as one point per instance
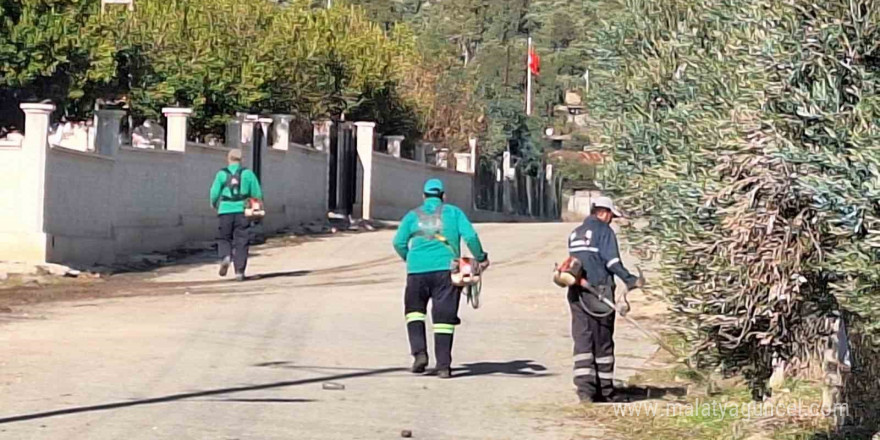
(607, 203)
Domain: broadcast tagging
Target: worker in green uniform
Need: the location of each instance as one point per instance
(231, 189)
(429, 240)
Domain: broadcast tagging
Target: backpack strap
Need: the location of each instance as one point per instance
(238, 175)
(430, 218)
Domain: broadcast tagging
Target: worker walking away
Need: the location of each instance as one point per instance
(594, 244)
(233, 187)
(429, 240)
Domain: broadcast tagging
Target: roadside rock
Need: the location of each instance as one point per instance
(57, 270)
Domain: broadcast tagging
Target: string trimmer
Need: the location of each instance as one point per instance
(564, 277)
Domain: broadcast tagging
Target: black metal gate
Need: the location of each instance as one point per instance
(343, 168)
(257, 150)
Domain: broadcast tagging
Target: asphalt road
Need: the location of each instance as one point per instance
(251, 360)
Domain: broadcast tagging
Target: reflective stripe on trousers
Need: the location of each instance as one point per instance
(444, 329)
(415, 316)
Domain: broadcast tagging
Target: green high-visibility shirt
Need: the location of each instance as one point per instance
(250, 187)
(427, 254)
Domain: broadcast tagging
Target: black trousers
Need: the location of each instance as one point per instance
(435, 287)
(593, 351)
(233, 235)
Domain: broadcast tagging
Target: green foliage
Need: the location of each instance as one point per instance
(53, 49)
(226, 56)
(218, 57)
(746, 131)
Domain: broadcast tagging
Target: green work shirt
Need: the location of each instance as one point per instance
(250, 187)
(423, 254)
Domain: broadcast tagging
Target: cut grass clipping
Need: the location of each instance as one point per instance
(792, 414)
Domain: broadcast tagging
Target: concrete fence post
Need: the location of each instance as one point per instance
(508, 173)
(552, 201)
(281, 131)
(248, 122)
(176, 128)
(246, 142)
(28, 240)
(472, 143)
(498, 189)
(107, 136)
(394, 144)
(365, 140)
(464, 163)
(321, 134)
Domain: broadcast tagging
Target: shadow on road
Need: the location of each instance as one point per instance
(184, 396)
(266, 276)
(258, 400)
(526, 368)
(638, 393)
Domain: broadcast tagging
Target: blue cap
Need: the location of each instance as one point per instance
(434, 187)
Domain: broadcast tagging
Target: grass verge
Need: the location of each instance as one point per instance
(728, 413)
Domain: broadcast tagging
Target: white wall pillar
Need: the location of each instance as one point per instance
(394, 144)
(463, 163)
(30, 243)
(508, 175)
(281, 131)
(365, 140)
(472, 143)
(508, 170)
(248, 123)
(107, 136)
(441, 159)
(176, 128)
(321, 134)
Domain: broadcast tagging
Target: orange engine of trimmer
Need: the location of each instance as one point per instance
(465, 272)
(568, 273)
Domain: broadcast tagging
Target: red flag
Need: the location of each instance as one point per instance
(534, 62)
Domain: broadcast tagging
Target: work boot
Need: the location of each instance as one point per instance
(444, 373)
(587, 397)
(239, 277)
(420, 363)
(224, 266)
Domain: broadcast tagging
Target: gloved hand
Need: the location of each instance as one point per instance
(640, 282)
(485, 263)
(622, 304)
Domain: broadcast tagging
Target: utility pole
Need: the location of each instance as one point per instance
(529, 82)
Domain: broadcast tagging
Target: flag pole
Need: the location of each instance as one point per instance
(529, 81)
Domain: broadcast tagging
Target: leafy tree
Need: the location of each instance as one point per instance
(562, 30)
(225, 56)
(746, 133)
(53, 49)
